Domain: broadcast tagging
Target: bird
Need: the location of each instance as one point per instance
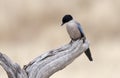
(75, 31)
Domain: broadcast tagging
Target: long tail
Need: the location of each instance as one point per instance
(88, 54)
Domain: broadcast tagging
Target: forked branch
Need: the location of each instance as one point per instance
(46, 64)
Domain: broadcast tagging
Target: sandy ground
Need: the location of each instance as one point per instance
(29, 28)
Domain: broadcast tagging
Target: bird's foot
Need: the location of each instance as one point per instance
(83, 38)
(70, 42)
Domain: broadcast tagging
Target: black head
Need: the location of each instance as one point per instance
(66, 19)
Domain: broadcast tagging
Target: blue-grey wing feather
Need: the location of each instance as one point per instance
(81, 30)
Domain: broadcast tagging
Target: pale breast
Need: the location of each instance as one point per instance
(73, 30)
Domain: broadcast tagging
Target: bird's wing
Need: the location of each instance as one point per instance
(80, 29)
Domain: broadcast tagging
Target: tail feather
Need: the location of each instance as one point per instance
(88, 54)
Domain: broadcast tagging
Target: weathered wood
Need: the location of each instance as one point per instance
(12, 69)
(46, 64)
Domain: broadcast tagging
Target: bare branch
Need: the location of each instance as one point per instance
(49, 63)
(46, 64)
(13, 70)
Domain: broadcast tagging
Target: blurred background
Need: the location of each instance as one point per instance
(28, 28)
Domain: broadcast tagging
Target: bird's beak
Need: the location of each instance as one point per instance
(62, 24)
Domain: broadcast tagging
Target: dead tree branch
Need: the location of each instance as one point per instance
(46, 64)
